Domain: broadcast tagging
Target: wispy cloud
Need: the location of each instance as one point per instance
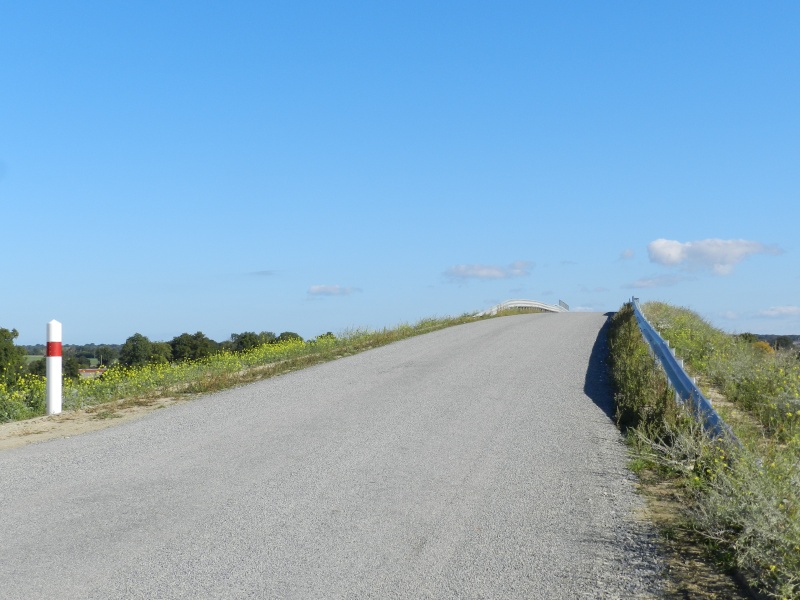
(262, 273)
(627, 254)
(331, 290)
(654, 282)
(518, 268)
(720, 256)
(780, 311)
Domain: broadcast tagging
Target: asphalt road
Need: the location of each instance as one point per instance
(478, 461)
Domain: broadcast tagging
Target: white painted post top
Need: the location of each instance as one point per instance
(54, 331)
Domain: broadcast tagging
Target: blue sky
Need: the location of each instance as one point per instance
(169, 167)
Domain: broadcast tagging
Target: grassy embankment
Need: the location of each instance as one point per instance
(741, 503)
(122, 387)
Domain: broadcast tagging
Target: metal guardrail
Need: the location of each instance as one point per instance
(556, 308)
(686, 389)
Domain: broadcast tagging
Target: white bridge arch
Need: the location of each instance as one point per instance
(525, 304)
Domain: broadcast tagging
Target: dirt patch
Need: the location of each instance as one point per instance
(691, 573)
(68, 424)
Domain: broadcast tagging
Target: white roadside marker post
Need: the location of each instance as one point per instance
(53, 368)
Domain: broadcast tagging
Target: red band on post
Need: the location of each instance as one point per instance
(53, 348)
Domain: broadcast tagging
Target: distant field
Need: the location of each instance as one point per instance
(93, 362)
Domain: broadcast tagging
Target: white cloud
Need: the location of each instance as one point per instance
(518, 268)
(627, 254)
(476, 271)
(263, 273)
(780, 311)
(718, 255)
(658, 281)
(331, 290)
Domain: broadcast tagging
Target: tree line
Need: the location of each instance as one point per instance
(776, 342)
(137, 350)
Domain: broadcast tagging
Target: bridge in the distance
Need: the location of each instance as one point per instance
(533, 305)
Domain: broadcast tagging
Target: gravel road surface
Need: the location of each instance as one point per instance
(478, 461)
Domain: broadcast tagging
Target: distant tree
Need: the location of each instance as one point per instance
(750, 338)
(266, 337)
(69, 367)
(161, 353)
(77, 355)
(784, 342)
(38, 367)
(182, 347)
(12, 358)
(288, 335)
(204, 346)
(244, 341)
(136, 351)
(186, 346)
(106, 354)
(86, 352)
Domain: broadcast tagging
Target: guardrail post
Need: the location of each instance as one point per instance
(53, 368)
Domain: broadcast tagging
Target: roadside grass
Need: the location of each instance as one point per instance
(761, 381)
(128, 386)
(740, 504)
